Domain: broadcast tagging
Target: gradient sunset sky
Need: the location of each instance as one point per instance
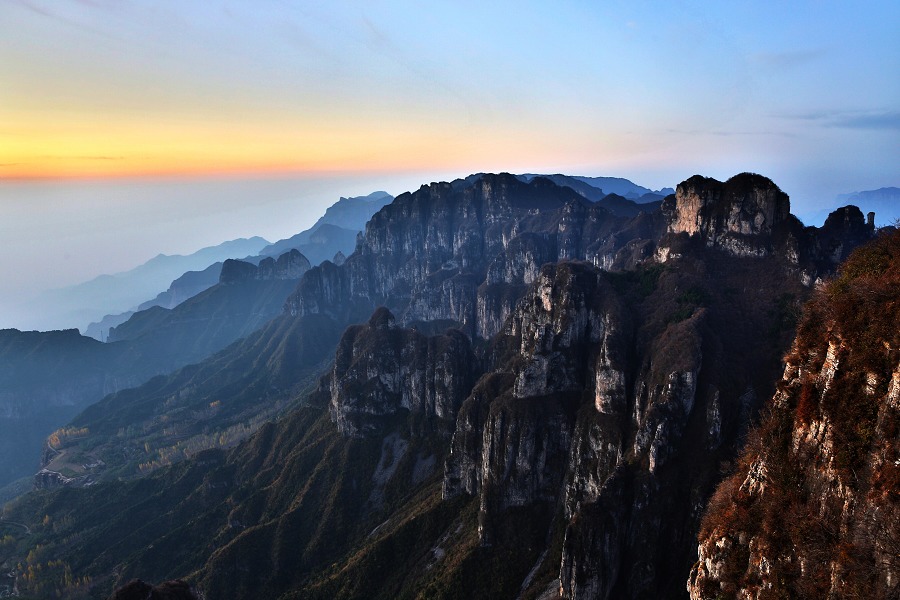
(112, 87)
(388, 94)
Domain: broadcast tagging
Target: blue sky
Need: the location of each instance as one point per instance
(802, 90)
(388, 93)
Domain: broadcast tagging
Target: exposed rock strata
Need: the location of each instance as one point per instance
(593, 404)
(748, 215)
(612, 389)
(451, 251)
(568, 420)
(380, 370)
(812, 510)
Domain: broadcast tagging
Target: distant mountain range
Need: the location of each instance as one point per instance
(75, 305)
(335, 231)
(187, 286)
(333, 234)
(884, 202)
(47, 377)
(512, 387)
(595, 188)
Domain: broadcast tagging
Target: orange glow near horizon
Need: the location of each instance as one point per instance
(70, 146)
(81, 140)
(103, 155)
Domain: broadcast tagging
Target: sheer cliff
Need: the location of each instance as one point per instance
(812, 509)
(456, 251)
(534, 398)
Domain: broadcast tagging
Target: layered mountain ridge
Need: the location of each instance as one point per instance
(75, 305)
(199, 314)
(561, 439)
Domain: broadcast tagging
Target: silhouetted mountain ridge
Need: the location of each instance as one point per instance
(107, 294)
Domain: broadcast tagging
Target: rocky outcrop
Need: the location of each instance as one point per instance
(381, 370)
(558, 329)
(588, 396)
(610, 400)
(46, 479)
(812, 509)
(749, 216)
(739, 216)
(290, 265)
(843, 230)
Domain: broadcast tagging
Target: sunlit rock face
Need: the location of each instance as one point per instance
(812, 509)
(746, 204)
(573, 387)
(618, 410)
(749, 216)
(739, 216)
(584, 416)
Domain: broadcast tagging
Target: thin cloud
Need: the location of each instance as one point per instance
(44, 9)
(888, 120)
(727, 133)
(795, 58)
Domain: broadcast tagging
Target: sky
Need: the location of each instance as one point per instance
(130, 128)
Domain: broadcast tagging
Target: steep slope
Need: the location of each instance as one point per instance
(287, 503)
(246, 297)
(335, 232)
(812, 509)
(46, 378)
(186, 286)
(302, 479)
(625, 393)
(563, 439)
(213, 404)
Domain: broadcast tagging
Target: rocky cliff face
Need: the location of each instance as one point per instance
(739, 216)
(584, 404)
(609, 400)
(617, 402)
(748, 215)
(812, 509)
(452, 251)
(602, 406)
(381, 370)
